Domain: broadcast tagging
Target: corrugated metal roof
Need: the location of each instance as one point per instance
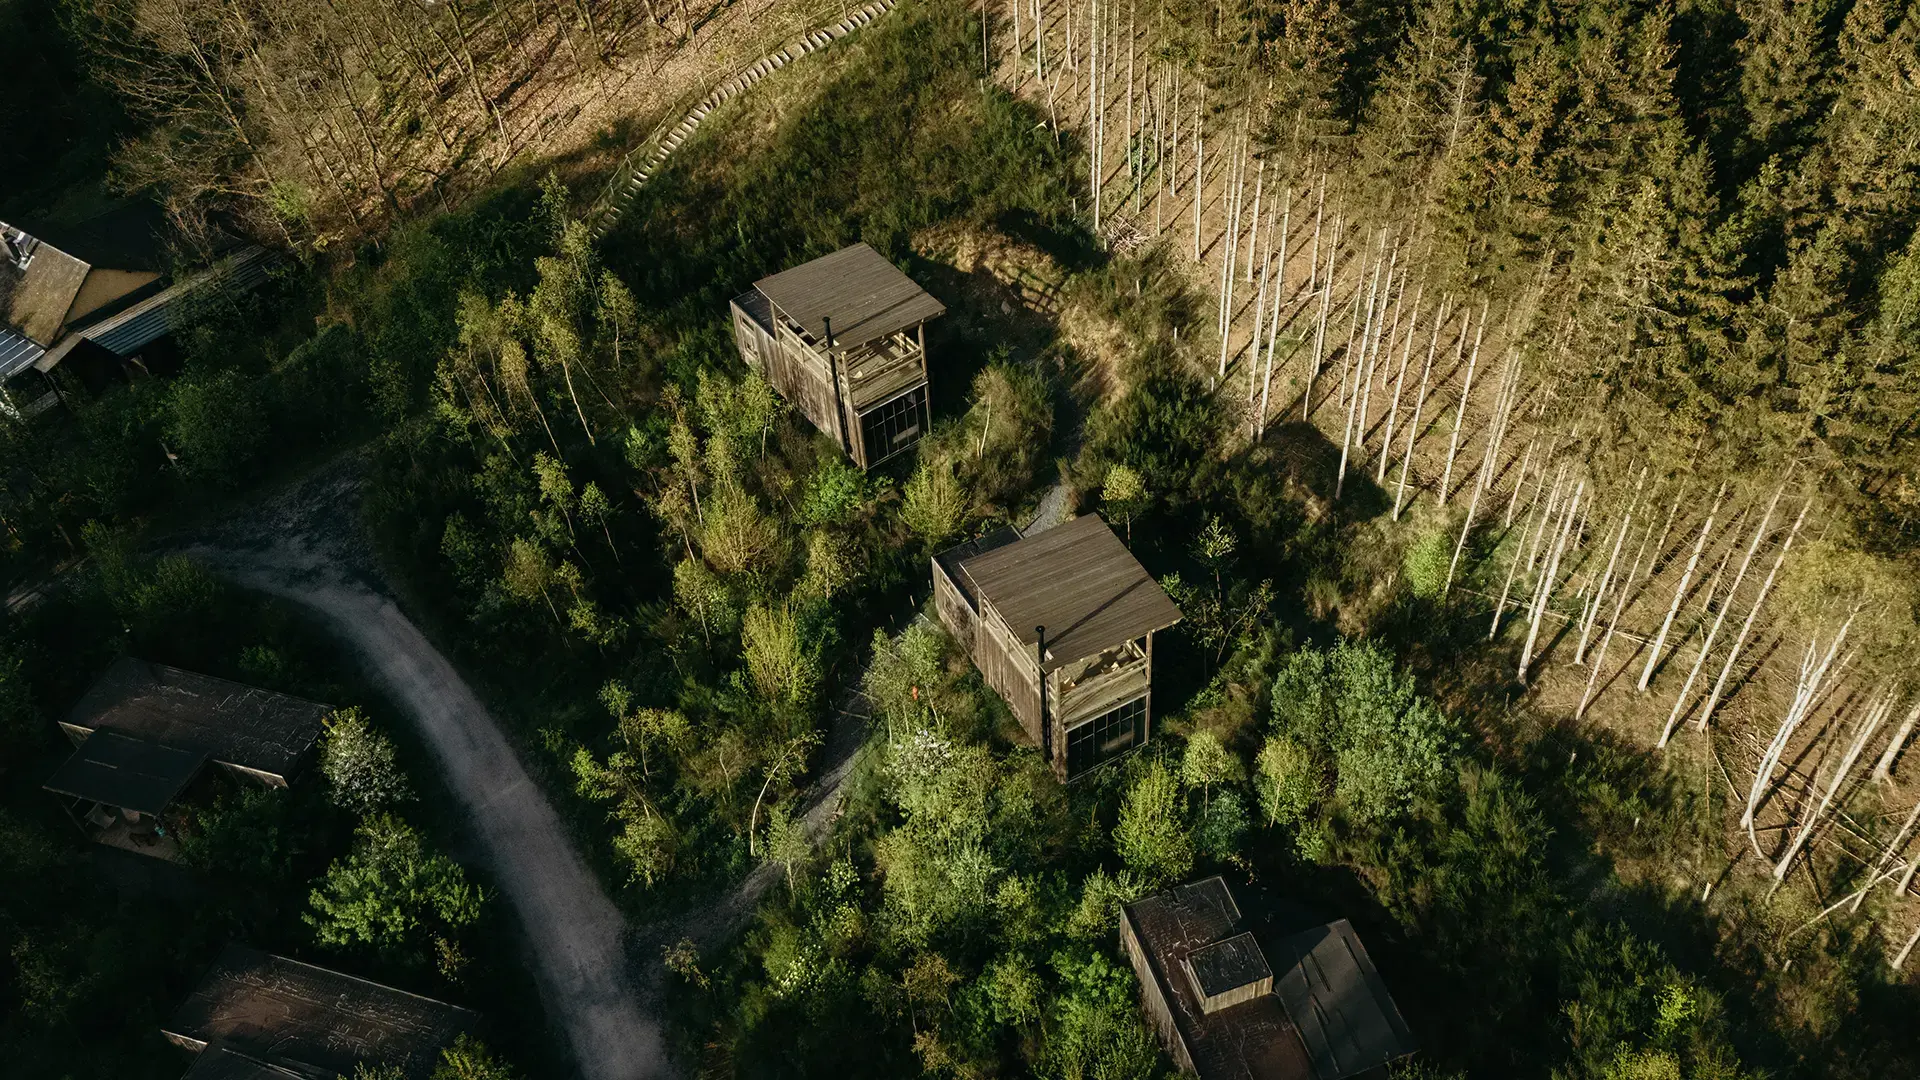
(866, 296)
(300, 1014)
(1080, 582)
(233, 723)
(132, 774)
(139, 325)
(17, 353)
(1338, 1002)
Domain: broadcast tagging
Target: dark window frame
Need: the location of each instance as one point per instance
(883, 426)
(1095, 742)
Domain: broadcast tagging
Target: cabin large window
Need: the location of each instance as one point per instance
(1106, 736)
(894, 426)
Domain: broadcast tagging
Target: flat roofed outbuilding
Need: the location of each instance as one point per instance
(1321, 1013)
(1338, 1002)
(257, 732)
(300, 1016)
(120, 771)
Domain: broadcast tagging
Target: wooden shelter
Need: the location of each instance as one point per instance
(118, 790)
(253, 733)
(1239, 995)
(1061, 625)
(844, 338)
(255, 1015)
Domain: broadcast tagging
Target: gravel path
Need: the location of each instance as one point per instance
(304, 547)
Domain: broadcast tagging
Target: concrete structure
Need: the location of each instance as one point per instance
(844, 339)
(1084, 694)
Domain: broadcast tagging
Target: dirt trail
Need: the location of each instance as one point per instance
(303, 547)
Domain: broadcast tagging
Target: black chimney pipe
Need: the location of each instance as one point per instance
(833, 376)
(1046, 726)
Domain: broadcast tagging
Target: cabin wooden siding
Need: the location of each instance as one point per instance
(1153, 1001)
(955, 613)
(1010, 668)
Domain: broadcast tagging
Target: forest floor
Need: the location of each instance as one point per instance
(305, 546)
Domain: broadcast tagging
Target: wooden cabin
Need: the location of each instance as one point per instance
(1061, 625)
(844, 339)
(1236, 993)
(254, 734)
(256, 1015)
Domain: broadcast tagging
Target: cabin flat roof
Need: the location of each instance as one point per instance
(1079, 581)
(129, 773)
(866, 296)
(1338, 1002)
(286, 1012)
(228, 721)
(1250, 1041)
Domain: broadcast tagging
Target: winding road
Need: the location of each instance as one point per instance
(305, 547)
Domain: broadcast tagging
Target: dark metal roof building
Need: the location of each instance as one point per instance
(310, 1020)
(132, 774)
(1234, 997)
(256, 731)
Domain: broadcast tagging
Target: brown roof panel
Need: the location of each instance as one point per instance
(228, 721)
(866, 296)
(307, 1017)
(1079, 581)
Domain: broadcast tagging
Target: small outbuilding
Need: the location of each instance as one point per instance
(256, 1015)
(100, 291)
(119, 789)
(1234, 995)
(844, 339)
(1061, 625)
(253, 733)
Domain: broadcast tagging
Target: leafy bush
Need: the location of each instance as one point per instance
(360, 765)
(1386, 743)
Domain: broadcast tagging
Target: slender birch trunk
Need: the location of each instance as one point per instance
(1473, 504)
(1199, 165)
(1680, 591)
(1400, 382)
(1876, 715)
(1713, 632)
(1886, 858)
(1253, 233)
(1808, 687)
(1883, 771)
(1279, 304)
(1540, 516)
(1544, 591)
(1613, 623)
(1419, 404)
(1746, 628)
(1520, 482)
(1259, 316)
(1466, 391)
(1320, 323)
(1606, 578)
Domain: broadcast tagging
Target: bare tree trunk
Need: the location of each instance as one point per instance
(1606, 578)
(1466, 390)
(1875, 716)
(1253, 233)
(1883, 771)
(1811, 676)
(1540, 516)
(1319, 206)
(1400, 382)
(1259, 316)
(1746, 628)
(1419, 405)
(1320, 324)
(1480, 485)
(1680, 592)
(1713, 632)
(1353, 400)
(1199, 165)
(1279, 305)
(1544, 591)
(1229, 251)
(1886, 858)
(1520, 482)
(1613, 623)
